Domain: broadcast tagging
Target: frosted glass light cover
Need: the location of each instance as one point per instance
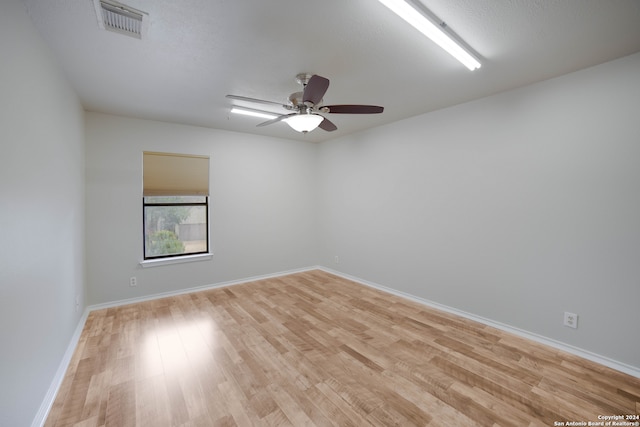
(304, 122)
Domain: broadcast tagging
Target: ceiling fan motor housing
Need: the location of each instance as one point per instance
(295, 98)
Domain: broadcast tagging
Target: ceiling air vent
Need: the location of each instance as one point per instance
(120, 18)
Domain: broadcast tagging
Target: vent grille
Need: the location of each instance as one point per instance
(120, 18)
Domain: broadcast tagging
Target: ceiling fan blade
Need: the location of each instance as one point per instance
(352, 109)
(327, 125)
(259, 101)
(276, 120)
(315, 89)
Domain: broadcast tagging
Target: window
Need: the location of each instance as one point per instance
(175, 226)
(175, 205)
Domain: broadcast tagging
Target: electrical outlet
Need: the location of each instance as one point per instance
(337, 259)
(571, 320)
(133, 281)
(77, 303)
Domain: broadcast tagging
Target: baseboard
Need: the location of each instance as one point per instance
(50, 396)
(585, 354)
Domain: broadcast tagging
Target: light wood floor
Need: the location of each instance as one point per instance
(312, 349)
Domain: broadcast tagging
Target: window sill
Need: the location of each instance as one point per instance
(177, 260)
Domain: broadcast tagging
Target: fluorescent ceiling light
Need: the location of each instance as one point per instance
(304, 122)
(432, 30)
(254, 113)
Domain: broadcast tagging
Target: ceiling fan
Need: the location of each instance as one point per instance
(306, 106)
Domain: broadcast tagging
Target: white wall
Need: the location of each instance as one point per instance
(263, 214)
(515, 208)
(41, 216)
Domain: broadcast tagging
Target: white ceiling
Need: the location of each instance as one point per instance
(197, 51)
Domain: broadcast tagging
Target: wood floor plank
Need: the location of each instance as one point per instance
(152, 402)
(319, 350)
(121, 407)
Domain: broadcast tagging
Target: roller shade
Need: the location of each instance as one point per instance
(167, 174)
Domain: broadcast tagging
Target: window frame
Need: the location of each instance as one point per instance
(176, 257)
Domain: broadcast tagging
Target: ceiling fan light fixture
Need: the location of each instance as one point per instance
(304, 122)
(253, 113)
(433, 30)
